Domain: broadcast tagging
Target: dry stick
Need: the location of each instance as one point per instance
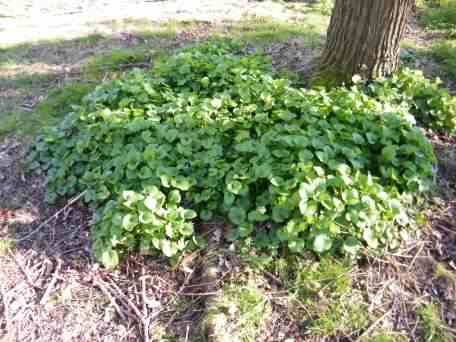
(377, 322)
(440, 226)
(29, 281)
(145, 318)
(193, 294)
(176, 312)
(126, 300)
(109, 295)
(52, 283)
(70, 202)
(186, 333)
(3, 294)
(416, 256)
(143, 291)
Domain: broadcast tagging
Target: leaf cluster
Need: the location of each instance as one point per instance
(432, 106)
(211, 132)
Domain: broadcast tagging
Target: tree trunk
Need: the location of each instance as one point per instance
(363, 39)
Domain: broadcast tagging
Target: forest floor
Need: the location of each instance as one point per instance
(51, 289)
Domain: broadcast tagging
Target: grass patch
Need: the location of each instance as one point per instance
(267, 30)
(440, 16)
(5, 246)
(238, 314)
(53, 52)
(444, 52)
(329, 275)
(433, 327)
(116, 61)
(441, 271)
(59, 101)
(322, 7)
(325, 290)
(345, 316)
(383, 335)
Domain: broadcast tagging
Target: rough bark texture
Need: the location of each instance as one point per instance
(364, 38)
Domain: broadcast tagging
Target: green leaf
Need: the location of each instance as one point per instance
(206, 215)
(308, 208)
(358, 138)
(147, 217)
(188, 214)
(181, 183)
(296, 246)
(205, 81)
(257, 215)
(237, 215)
(129, 221)
(186, 229)
(322, 243)
(280, 214)
(174, 197)
(370, 237)
(109, 258)
(216, 103)
(352, 246)
(169, 248)
(389, 152)
(305, 155)
(151, 202)
(131, 197)
(245, 230)
(228, 199)
(235, 187)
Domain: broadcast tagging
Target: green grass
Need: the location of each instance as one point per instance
(328, 275)
(324, 288)
(238, 314)
(114, 61)
(59, 101)
(433, 327)
(383, 335)
(5, 246)
(345, 316)
(441, 271)
(55, 104)
(444, 52)
(322, 7)
(267, 30)
(440, 16)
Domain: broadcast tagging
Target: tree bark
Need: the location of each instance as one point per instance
(364, 39)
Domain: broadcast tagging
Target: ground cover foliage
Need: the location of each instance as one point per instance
(212, 132)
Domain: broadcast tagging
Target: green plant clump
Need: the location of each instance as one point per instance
(432, 106)
(210, 131)
(432, 326)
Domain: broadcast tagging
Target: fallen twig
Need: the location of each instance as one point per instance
(373, 325)
(52, 283)
(420, 249)
(114, 292)
(49, 219)
(102, 287)
(28, 280)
